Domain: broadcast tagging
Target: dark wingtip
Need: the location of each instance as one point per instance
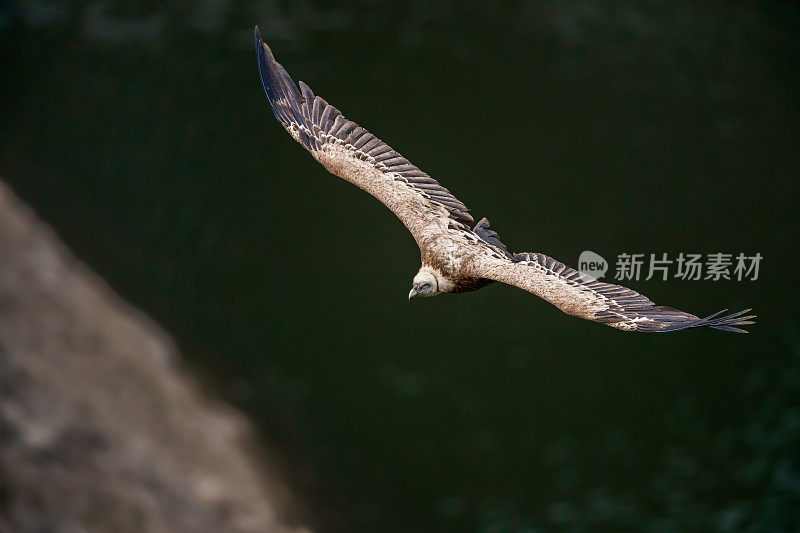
(729, 322)
(262, 58)
(279, 88)
(262, 49)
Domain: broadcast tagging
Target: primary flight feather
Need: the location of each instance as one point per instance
(456, 257)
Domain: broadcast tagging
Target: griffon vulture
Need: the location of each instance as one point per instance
(457, 254)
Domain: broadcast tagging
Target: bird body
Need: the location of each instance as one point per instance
(455, 255)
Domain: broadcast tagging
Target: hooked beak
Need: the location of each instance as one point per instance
(414, 292)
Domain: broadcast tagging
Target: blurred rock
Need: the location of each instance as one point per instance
(100, 430)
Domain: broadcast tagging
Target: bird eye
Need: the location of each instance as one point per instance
(426, 288)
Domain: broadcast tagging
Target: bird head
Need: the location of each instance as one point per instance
(424, 284)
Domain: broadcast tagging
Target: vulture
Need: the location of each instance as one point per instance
(457, 255)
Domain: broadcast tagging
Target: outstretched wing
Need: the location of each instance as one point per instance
(351, 152)
(580, 295)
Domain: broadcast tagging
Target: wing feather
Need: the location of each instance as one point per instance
(351, 152)
(581, 295)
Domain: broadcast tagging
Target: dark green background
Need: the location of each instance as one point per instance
(139, 130)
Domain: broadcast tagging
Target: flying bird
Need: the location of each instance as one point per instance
(457, 255)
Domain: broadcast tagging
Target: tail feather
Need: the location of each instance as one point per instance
(490, 236)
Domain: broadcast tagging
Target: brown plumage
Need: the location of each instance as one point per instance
(456, 257)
